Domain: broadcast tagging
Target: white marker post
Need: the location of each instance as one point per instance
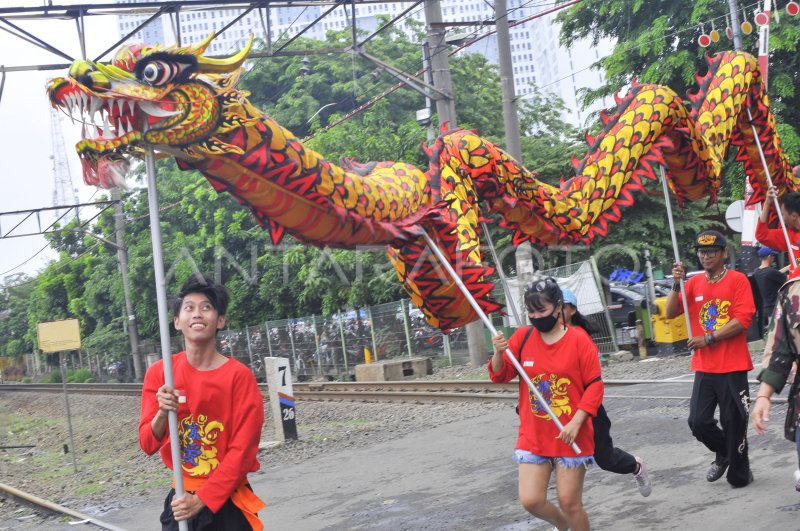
(281, 397)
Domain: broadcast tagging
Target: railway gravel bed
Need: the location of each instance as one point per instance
(113, 472)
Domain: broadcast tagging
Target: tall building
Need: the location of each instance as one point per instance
(538, 58)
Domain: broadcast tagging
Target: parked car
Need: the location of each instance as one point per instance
(624, 302)
(641, 289)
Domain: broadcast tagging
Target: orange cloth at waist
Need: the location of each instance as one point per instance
(243, 498)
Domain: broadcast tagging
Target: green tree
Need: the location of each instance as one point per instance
(14, 296)
(656, 42)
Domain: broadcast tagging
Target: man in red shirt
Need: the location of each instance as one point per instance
(790, 210)
(220, 412)
(721, 308)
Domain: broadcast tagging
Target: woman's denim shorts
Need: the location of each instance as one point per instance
(524, 456)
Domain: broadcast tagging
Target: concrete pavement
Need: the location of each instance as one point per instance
(460, 476)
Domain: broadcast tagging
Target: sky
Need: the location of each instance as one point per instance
(26, 168)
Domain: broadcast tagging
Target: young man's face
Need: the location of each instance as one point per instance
(792, 219)
(198, 320)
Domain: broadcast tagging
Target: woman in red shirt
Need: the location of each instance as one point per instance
(564, 365)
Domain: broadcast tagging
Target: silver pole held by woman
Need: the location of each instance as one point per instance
(503, 281)
(509, 355)
(675, 249)
(163, 322)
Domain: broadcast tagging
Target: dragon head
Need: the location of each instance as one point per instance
(170, 98)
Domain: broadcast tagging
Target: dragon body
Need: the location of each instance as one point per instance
(185, 105)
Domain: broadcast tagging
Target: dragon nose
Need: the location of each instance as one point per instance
(88, 75)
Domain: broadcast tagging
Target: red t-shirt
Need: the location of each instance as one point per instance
(562, 373)
(219, 424)
(712, 306)
(774, 238)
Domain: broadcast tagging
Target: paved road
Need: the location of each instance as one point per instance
(460, 476)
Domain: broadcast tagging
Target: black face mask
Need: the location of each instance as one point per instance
(546, 323)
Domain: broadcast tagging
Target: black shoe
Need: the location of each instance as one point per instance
(749, 480)
(716, 470)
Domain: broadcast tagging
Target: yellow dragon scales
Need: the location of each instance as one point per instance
(186, 105)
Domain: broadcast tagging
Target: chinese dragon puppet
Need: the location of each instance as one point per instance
(183, 104)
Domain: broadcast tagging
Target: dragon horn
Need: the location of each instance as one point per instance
(201, 48)
(222, 66)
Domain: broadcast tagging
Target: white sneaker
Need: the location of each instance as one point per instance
(642, 479)
(797, 480)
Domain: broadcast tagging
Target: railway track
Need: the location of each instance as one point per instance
(43, 506)
(402, 391)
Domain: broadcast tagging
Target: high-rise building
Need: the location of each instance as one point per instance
(538, 58)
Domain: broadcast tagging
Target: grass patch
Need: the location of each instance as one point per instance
(356, 422)
(90, 489)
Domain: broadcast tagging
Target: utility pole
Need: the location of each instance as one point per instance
(446, 109)
(510, 117)
(122, 256)
(440, 66)
(523, 254)
(733, 10)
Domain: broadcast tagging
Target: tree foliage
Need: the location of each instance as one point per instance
(656, 42)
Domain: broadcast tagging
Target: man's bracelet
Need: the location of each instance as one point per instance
(762, 396)
(676, 286)
(710, 339)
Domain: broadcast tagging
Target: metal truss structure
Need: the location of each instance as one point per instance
(79, 13)
(21, 220)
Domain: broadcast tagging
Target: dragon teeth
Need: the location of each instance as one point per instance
(132, 106)
(106, 126)
(95, 105)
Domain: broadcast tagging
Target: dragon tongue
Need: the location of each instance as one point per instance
(89, 172)
(108, 171)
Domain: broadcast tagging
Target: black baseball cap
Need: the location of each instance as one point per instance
(710, 238)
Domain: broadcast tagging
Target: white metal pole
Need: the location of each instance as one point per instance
(503, 281)
(770, 184)
(163, 323)
(675, 249)
(486, 321)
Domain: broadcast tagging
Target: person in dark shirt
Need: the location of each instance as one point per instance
(769, 280)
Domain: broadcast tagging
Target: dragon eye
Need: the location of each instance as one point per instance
(162, 68)
(160, 72)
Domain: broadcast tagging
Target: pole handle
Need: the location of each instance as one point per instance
(676, 251)
(793, 262)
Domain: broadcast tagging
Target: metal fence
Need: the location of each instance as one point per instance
(330, 347)
(584, 280)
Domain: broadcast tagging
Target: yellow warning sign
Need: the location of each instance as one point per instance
(55, 336)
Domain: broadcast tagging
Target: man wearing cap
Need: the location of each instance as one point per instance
(721, 309)
(769, 280)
